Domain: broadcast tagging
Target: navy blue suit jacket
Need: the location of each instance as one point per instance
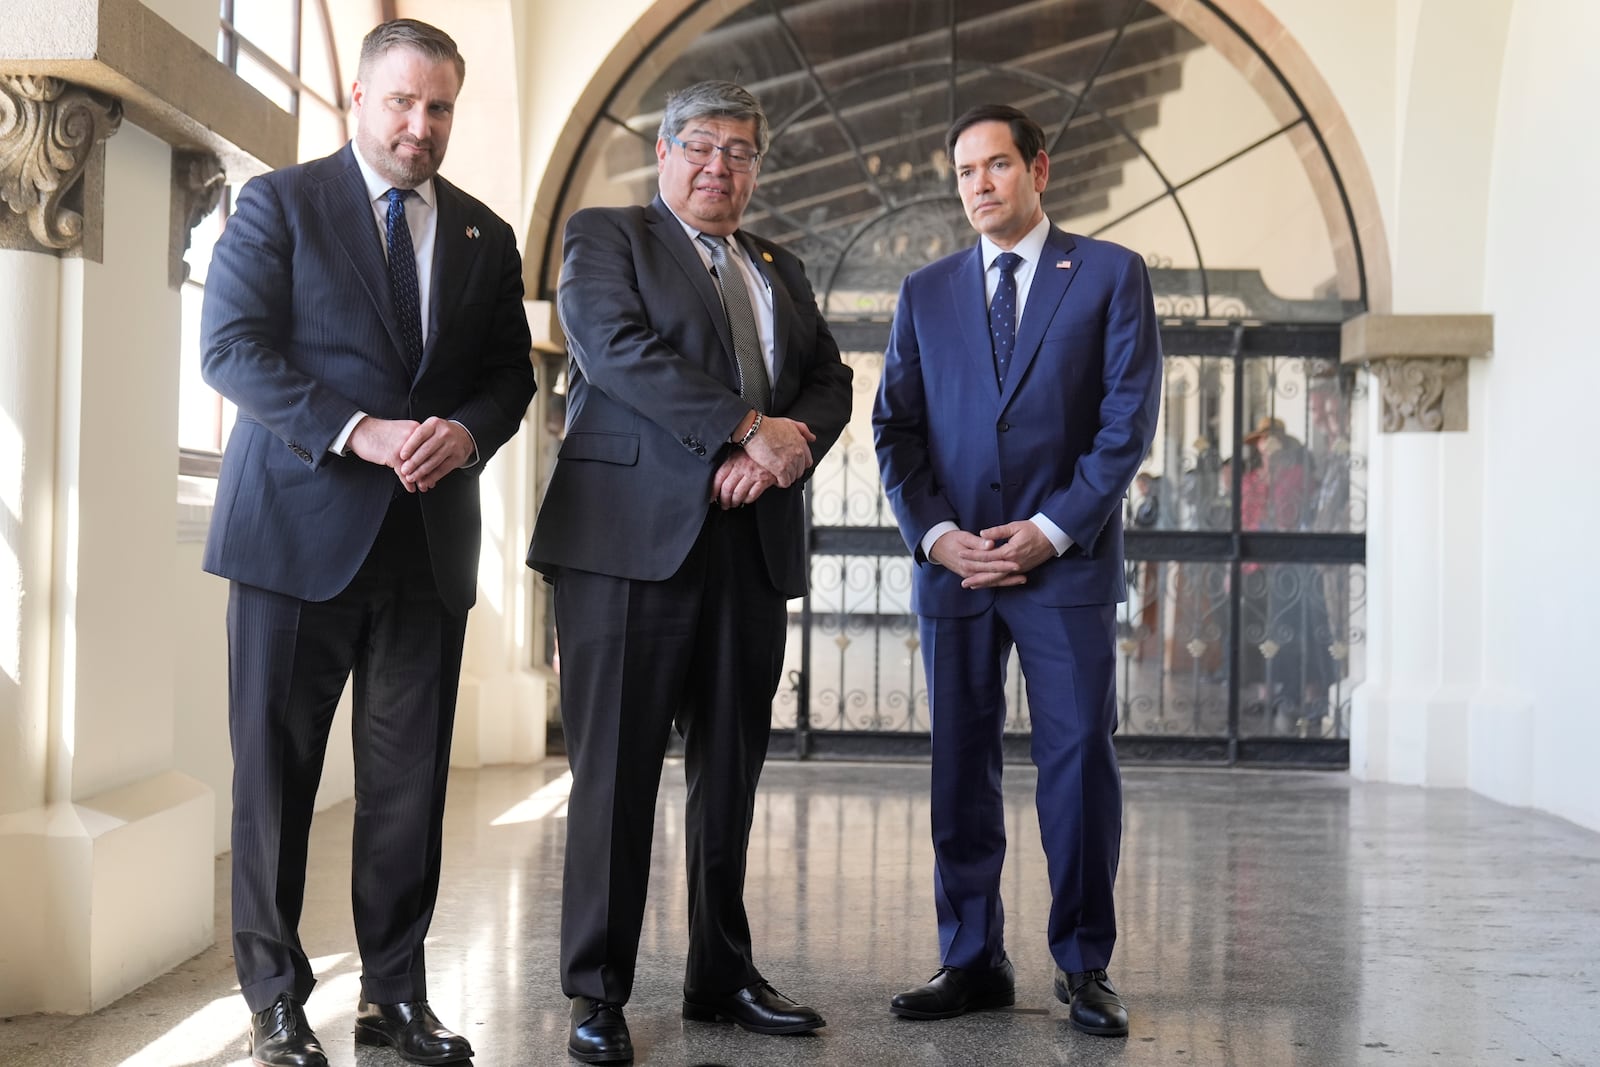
(298, 330)
(1064, 436)
(653, 393)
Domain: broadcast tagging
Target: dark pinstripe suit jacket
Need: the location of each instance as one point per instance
(298, 330)
(653, 394)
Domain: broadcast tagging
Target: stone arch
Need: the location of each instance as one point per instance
(1245, 32)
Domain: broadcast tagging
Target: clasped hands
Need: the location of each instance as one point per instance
(420, 454)
(994, 558)
(778, 454)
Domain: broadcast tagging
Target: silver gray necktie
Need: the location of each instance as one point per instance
(753, 385)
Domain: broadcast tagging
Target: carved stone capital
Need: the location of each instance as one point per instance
(1421, 363)
(1422, 394)
(197, 181)
(49, 131)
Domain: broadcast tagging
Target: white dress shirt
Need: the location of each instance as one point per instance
(754, 281)
(422, 218)
(1031, 249)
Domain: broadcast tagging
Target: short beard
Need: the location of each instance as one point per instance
(403, 174)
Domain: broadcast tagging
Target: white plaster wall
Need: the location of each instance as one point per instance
(560, 47)
(116, 472)
(27, 470)
(1537, 728)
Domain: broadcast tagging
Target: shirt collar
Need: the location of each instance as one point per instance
(1030, 248)
(378, 187)
(694, 234)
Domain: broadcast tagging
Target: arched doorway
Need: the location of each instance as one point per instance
(1242, 637)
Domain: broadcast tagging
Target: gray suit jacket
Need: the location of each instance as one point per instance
(298, 330)
(653, 395)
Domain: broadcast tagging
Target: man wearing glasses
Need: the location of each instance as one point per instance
(703, 385)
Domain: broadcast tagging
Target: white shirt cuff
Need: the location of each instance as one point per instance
(472, 461)
(931, 538)
(1057, 535)
(342, 442)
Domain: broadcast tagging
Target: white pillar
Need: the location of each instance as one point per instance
(107, 850)
(506, 698)
(1411, 718)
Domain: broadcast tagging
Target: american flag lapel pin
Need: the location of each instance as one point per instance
(1063, 264)
(472, 233)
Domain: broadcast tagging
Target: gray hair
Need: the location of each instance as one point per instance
(714, 100)
(409, 33)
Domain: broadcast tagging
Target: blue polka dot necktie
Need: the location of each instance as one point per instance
(1003, 314)
(403, 277)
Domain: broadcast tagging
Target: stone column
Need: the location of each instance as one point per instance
(106, 848)
(1424, 551)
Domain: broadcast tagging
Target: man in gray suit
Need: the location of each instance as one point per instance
(703, 385)
(366, 316)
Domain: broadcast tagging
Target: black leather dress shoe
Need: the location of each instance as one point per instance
(411, 1029)
(1095, 1006)
(757, 1007)
(956, 991)
(599, 1033)
(281, 1037)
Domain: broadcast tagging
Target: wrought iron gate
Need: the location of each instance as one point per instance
(1242, 635)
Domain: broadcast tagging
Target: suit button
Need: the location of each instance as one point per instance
(995, 486)
(1003, 427)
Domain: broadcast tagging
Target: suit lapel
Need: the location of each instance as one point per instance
(1049, 285)
(341, 199)
(453, 250)
(666, 228)
(970, 302)
(783, 312)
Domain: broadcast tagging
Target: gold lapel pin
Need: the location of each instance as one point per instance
(767, 256)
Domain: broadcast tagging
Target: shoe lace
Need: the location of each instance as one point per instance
(284, 1018)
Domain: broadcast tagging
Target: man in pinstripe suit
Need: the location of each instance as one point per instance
(366, 317)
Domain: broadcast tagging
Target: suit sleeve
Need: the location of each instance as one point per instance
(1131, 398)
(823, 403)
(619, 351)
(493, 409)
(244, 330)
(900, 431)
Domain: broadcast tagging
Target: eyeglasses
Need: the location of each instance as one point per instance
(737, 157)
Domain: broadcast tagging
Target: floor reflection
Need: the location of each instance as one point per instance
(1267, 918)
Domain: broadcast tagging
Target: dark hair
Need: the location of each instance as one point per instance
(1026, 134)
(714, 100)
(409, 33)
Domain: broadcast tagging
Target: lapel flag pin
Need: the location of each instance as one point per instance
(767, 256)
(1063, 264)
(472, 233)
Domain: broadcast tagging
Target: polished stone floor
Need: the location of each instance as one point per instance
(1271, 918)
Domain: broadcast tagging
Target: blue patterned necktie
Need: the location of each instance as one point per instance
(753, 383)
(403, 277)
(1003, 314)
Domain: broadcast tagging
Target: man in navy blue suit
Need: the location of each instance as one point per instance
(366, 317)
(1019, 396)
